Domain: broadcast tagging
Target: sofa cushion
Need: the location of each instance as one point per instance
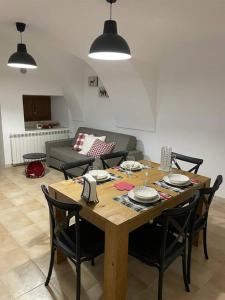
(123, 141)
(65, 154)
(79, 142)
(99, 148)
(89, 141)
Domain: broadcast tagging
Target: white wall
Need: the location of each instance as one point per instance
(58, 74)
(12, 86)
(2, 158)
(60, 111)
(190, 107)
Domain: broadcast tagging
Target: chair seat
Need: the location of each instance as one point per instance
(145, 245)
(91, 241)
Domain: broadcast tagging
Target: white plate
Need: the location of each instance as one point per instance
(134, 165)
(178, 178)
(184, 183)
(104, 179)
(145, 193)
(146, 201)
(99, 174)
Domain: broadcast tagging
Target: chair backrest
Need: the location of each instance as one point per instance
(193, 160)
(177, 220)
(116, 159)
(66, 211)
(86, 163)
(207, 195)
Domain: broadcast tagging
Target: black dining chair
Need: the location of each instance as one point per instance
(116, 159)
(86, 163)
(196, 161)
(79, 242)
(201, 220)
(158, 245)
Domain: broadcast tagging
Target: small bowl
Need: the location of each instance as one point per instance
(144, 192)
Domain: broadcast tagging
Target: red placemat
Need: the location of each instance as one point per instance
(124, 186)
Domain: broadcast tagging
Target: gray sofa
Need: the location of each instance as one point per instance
(62, 150)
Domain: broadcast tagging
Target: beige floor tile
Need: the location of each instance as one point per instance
(22, 279)
(7, 242)
(33, 240)
(95, 292)
(143, 272)
(5, 203)
(43, 293)
(14, 194)
(12, 259)
(38, 213)
(25, 202)
(13, 219)
(4, 294)
(28, 235)
(43, 264)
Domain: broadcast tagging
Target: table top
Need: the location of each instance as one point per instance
(34, 156)
(109, 210)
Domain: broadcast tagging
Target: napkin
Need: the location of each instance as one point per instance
(89, 191)
(124, 186)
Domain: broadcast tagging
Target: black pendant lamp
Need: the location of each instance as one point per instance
(21, 59)
(110, 45)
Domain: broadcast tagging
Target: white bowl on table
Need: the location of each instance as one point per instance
(144, 195)
(131, 165)
(177, 179)
(99, 175)
(144, 192)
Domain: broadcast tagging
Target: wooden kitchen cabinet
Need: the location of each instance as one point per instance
(36, 108)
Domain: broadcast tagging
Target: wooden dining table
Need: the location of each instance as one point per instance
(117, 220)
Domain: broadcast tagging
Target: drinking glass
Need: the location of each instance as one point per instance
(165, 162)
(172, 169)
(93, 168)
(173, 160)
(131, 165)
(146, 172)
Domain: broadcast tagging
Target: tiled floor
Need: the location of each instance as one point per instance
(24, 253)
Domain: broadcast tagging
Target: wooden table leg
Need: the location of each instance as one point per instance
(59, 256)
(115, 262)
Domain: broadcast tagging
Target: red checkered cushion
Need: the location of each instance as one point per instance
(79, 142)
(98, 148)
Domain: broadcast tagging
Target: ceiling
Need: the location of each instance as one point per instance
(151, 27)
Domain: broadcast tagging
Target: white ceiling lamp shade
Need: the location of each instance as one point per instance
(21, 59)
(110, 45)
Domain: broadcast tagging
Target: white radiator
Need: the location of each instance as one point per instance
(33, 142)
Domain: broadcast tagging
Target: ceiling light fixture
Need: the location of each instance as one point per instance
(21, 59)
(110, 45)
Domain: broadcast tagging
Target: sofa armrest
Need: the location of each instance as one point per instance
(136, 153)
(60, 143)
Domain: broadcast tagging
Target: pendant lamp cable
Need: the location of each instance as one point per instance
(111, 11)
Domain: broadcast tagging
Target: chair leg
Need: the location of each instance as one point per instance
(93, 262)
(78, 282)
(205, 242)
(160, 285)
(50, 265)
(185, 272)
(189, 260)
